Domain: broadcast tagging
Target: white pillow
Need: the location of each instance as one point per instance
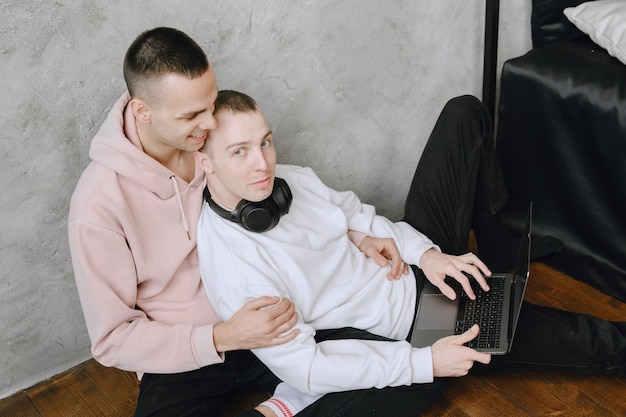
(605, 23)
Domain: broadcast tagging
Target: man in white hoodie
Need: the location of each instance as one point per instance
(267, 228)
(132, 234)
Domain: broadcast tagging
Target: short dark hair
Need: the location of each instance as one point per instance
(159, 52)
(234, 101)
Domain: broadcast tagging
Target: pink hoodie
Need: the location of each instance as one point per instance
(136, 268)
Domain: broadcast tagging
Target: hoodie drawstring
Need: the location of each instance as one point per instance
(180, 207)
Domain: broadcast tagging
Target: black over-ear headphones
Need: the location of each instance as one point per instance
(257, 216)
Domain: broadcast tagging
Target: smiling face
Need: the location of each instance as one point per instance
(240, 158)
(179, 116)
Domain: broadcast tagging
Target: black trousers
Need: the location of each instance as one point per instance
(457, 181)
(205, 392)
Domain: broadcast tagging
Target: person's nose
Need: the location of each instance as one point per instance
(261, 160)
(208, 121)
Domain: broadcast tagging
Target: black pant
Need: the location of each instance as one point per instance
(458, 179)
(205, 392)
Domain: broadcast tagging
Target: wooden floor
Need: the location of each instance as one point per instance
(92, 390)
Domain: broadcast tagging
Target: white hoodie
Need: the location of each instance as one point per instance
(308, 258)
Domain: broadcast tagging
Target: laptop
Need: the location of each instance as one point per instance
(496, 311)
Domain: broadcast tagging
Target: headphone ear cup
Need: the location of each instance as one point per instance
(264, 215)
(281, 195)
(257, 216)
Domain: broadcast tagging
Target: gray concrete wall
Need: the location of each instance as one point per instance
(351, 88)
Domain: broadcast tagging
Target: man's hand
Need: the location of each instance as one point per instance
(451, 358)
(262, 322)
(437, 266)
(383, 250)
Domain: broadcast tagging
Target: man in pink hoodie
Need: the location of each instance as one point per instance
(132, 234)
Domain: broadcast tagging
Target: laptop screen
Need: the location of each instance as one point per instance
(520, 275)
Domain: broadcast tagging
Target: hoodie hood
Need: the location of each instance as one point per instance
(117, 146)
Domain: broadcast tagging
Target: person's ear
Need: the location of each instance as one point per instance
(140, 110)
(204, 161)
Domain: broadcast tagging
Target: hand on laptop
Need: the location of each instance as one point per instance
(437, 266)
(451, 358)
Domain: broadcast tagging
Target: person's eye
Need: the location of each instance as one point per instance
(266, 143)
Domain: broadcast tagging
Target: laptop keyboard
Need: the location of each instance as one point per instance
(486, 311)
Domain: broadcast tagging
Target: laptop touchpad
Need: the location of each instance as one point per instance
(436, 311)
